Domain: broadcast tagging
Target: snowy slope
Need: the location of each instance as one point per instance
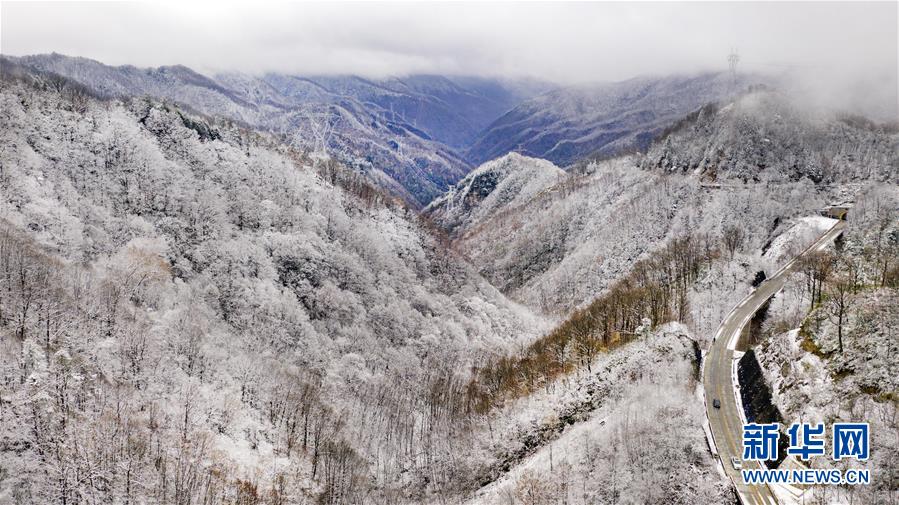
(496, 186)
(570, 123)
(752, 165)
(765, 136)
(405, 129)
(792, 242)
(202, 302)
(570, 241)
(629, 431)
(811, 379)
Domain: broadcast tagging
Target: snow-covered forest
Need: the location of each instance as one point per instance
(192, 312)
(195, 311)
(830, 343)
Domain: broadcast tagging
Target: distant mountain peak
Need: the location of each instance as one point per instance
(493, 187)
(568, 124)
(407, 130)
(765, 136)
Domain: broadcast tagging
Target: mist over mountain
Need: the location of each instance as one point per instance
(444, 253)
(556, 242)
(416, 136)
(571, 123)
(404, 132)
(186, 295)
(768, 136)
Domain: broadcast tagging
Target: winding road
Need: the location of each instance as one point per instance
(726, 423)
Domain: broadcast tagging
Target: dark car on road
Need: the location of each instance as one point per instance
(716, 403)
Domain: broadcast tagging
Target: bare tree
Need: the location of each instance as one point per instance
(321, 126)
(838, 291)
(816, 267)
(733, 238)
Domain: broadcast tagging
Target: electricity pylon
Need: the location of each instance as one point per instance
(732, 59)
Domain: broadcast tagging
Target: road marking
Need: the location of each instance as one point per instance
(713, 382)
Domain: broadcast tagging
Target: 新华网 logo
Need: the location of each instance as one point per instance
(847, 440)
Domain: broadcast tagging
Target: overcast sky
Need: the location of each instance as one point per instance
(562, 42)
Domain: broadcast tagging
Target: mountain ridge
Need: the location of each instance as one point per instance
(391, 127)
(570, 123)
(502, 183)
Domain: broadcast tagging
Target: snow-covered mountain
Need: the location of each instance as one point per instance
(562, 241)
(496, 186)
(612, 232)
(568, 124)
(198, 303)
(405, 131)
(196, 311)
(764, 136)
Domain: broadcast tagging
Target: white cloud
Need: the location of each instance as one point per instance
(563, 42)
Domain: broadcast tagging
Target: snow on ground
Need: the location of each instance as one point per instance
(626, 388)
(716, 293)
(500, 184)
(629, 431)
(812, 381)
(259, 312)
(723, 286)
(797, 378)
(793, 241)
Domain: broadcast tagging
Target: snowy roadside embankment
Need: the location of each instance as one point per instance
(792, 242)
(629, 430)
(839, 364)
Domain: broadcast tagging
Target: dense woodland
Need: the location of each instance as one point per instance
(750, 165)
(756, 139)
(194, 312)
(653, 293)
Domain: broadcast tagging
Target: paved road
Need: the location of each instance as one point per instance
(726, 423)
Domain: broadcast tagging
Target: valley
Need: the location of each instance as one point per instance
(364, 258)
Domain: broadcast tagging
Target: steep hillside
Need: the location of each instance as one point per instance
(828, 344)
(628, 431)
(571, 240)
(631, 246)
(192, 312)
(566, 242)
(403, 132)
(496, 186)
(567, 124)
(764, 137)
